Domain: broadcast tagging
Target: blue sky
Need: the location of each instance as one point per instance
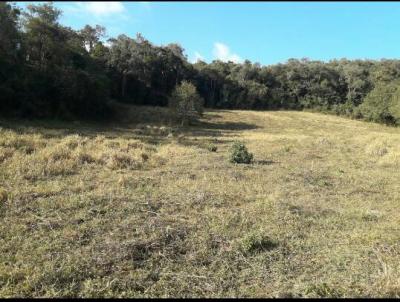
(264, 32)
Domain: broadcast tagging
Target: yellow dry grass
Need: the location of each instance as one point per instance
(140, 208)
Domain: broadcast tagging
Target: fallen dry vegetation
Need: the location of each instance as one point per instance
(142, 209)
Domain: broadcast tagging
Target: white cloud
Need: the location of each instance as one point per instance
(197, 57)
(102, 8)
(107, 43)
(223, 53)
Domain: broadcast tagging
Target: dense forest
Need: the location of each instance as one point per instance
(48, 70)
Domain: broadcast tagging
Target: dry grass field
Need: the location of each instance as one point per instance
(142, 209)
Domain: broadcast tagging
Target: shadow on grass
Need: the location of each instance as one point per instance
(265, 162)
(196, 134)
(58, 129)
(230, 126)
(211, 129)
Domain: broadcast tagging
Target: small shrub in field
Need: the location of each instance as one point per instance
(44, 163)
(59, 152)
(371, 215)
(256, 242)
(144, 157)
(73, 141)
(3, 195)
(84, 158)
(377, 148)
(121, 160)
(5, 154)
(323, 290)
(239, 154)
(212, 148)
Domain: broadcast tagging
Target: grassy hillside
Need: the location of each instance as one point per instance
(142, 209)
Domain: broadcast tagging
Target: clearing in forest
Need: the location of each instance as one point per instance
(141, 209)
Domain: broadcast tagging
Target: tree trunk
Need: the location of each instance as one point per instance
(123, 86)
(185, 121)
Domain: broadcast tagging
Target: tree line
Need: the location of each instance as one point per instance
(48, 70)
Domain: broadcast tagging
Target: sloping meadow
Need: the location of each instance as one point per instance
(147, 210)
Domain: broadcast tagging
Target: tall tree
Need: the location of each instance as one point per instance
(92, 35)
(9, 35)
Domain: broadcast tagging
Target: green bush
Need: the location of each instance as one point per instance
(381, 104)
(239, 154)
(212, 148)
(346, 109)
(186, 103)
(3, 195)
(255, 242)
